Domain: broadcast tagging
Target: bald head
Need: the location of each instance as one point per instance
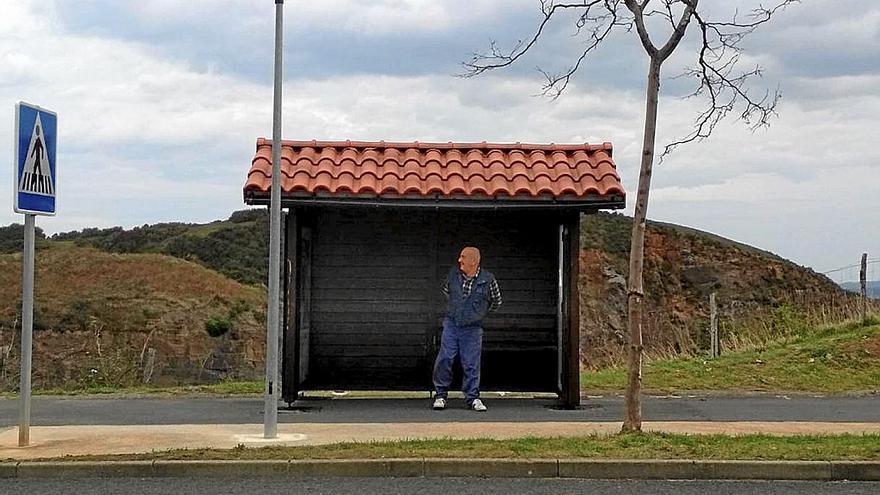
(469, 260)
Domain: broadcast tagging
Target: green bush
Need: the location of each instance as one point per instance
(12, 238)
(77, 315)
(217, 326)
(249, 215)
(237, 308)
(787, 320)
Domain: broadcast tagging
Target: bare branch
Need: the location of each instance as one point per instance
(598, 20)
(680, 28)
(669, 14)
(603, 25)
(719, 82)
(496, 58)
(661, 13)
(759, 16)
(665, 12)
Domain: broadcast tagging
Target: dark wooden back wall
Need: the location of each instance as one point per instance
(375, 302)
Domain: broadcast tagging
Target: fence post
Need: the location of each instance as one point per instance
(714, 347)
(863, 276)
(148, 366)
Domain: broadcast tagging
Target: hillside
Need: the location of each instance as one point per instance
(97, 314)
(107, 295)
(682, 267)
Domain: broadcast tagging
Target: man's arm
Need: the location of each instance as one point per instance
(494, 296)
(445, 288)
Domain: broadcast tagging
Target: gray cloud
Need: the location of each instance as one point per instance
(161, 102)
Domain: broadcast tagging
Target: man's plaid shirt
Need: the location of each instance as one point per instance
(467, 285)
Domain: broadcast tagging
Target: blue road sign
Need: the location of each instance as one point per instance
(36, 173)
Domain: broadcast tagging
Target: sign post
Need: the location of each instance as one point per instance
(36, 140)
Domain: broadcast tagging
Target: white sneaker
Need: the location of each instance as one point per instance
(439, 404)
(477, 405)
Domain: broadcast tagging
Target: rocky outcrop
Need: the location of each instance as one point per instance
(682, 267)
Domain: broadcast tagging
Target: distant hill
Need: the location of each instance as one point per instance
(872, 288)
(236, 247)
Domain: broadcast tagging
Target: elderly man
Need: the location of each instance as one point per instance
(471, 293)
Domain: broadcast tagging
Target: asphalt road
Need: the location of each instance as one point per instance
(444, 486)
(77, 411)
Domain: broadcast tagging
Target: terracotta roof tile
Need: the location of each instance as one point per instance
(419, 170)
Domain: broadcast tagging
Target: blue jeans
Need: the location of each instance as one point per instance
(467, 344)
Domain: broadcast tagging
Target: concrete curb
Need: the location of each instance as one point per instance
(492, 468)
(484, 468)
(696, 469)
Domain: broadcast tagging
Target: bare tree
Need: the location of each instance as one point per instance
(719, 81)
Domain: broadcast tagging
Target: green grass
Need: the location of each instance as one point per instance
(60, 244)
(621, 446)
(836, 359)
(204, 230)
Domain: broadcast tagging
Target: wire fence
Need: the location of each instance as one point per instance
(848, 276)
(742, 323)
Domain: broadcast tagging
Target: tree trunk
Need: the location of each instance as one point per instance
(633, 419)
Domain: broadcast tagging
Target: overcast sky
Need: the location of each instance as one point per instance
(160, 103)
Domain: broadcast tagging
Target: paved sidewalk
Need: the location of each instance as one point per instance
(59, 441)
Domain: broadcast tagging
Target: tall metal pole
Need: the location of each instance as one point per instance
(27, 329)
(270, 423)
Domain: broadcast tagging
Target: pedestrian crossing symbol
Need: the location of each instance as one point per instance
(36, 173)
(36, 178)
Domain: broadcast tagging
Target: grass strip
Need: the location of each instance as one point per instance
(225, 388)
(620, 446)
(828, 360)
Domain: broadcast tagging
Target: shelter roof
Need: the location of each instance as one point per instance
(474, 172)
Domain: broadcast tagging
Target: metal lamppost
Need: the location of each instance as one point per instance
(270, 414)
